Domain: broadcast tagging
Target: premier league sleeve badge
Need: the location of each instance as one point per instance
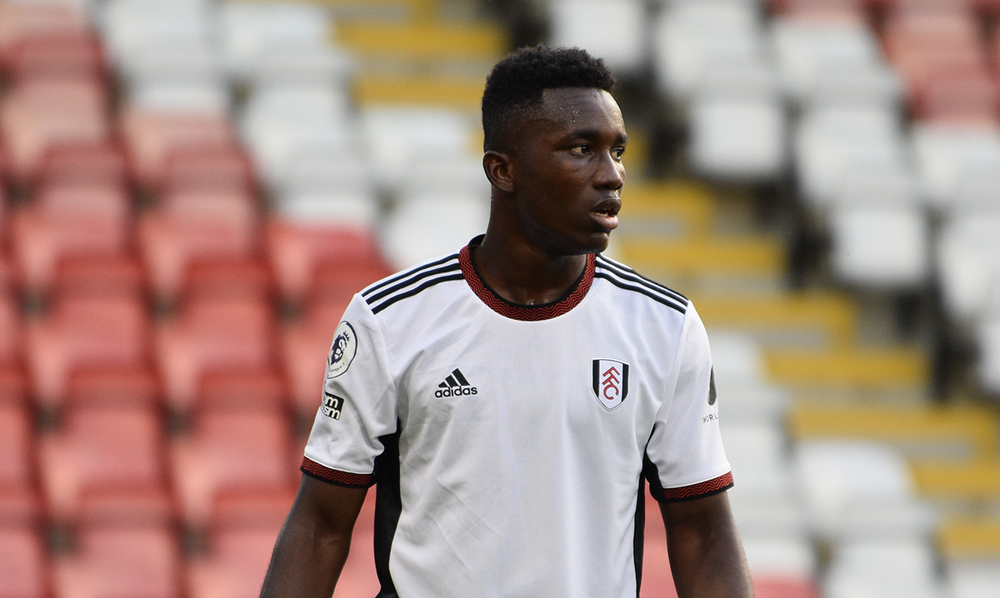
(342, 351)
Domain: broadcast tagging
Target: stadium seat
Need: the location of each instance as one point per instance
(215, 168)
(972, 579)
(18, 502)
(69, 221)
(881, 247)
(13, 385)
(120, 561)
(37, 113)
(735, 136)
(888, 569)
(281, 123)
(151, 137)
(108, 276)
(457, 219)
(19, 20)
(243, 531)
(24, 567)
(195, 226)
(316, 262)
(213, 335)
(130, 27)
(615, 30)
(394, 136)
(987, 339)
(86, 334)
(57, 56)
(782, 567)
(859, 490)
(226, 452)
(106, 466)
(692, 39)
(305, 347)
(946, 155)
(84, 165)
(968, 266)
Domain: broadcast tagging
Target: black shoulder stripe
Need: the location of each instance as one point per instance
(415, 290)
(401, 275)
(625, 272)
(643, 290)
(411, 280)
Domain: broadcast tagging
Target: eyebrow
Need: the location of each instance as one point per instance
(593, 134)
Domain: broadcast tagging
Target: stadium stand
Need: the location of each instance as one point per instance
(192, 190)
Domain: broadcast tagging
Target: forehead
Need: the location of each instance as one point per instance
(580, 108)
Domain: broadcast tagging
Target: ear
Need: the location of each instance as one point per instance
(499, 170)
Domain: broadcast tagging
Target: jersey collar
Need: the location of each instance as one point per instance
(515, 311)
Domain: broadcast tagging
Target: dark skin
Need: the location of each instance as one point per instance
(557, 179)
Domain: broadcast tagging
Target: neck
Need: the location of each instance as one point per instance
(524, 275)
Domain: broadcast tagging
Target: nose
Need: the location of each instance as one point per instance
(610, 172)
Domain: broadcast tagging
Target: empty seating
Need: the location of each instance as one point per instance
(213, 336)
(12, 382)
(18, 503)
(106, 466)
(457, 219)
(229, 452)
(883, 568)
(304, 347)
(120, 561)
(23, 563)
(95, 334)
(612, 29)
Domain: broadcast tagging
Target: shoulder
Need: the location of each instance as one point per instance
(627, 281)
(412, 283)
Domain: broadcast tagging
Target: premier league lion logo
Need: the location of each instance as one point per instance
(342, 351)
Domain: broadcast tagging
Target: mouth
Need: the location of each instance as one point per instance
(606, 213)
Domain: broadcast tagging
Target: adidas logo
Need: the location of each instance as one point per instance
(455, 385)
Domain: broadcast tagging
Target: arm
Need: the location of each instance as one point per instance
(313, 543)
(706, 555)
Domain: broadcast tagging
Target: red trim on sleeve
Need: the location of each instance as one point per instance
(341, 478)
(529, 313)
(713, 486)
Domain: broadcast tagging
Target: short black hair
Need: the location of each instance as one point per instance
(516, 83)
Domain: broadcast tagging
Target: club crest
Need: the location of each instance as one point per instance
(610, 382)
(342, 351)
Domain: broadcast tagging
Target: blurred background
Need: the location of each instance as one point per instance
(192, 190)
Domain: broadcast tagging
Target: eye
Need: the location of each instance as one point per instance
(580, 150)
(618, 152)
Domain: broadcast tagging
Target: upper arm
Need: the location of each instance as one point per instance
(328, 509)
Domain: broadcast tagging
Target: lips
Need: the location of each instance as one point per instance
(606, 213)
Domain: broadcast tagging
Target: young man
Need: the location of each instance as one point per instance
(511, 400)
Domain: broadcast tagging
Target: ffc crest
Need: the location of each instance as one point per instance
(610, 382)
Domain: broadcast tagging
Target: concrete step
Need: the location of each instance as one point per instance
(671, 210)
(845, 368)
(970, 539)
(423, 41)
(962, 482)
(951, 434)
(783, 320)
(463, 93)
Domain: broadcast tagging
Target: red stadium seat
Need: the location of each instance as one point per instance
(657, 581)
(821, 9)
(67, 55)
(18, 503)
(86, 333)
(24, 568)
(12, 381)
(248, 278)
(777, 587)
(230, 452)
(961, 97)
(151, 138)
(86, 164)
(108, 276)
(213, 336)
(142, 561)
(243, 531)
(225, 168)
(19, 20)
(305, 347)
(322, 262)
(38, 113)
(106, 465)
(69, 221)
(195, 226)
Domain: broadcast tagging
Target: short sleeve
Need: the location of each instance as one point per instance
(359, 405)
(684, 456)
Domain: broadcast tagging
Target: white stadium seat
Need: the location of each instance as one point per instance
(614, 30)
(883, 569)
(885, 247)
(947, 155)
(426, 226)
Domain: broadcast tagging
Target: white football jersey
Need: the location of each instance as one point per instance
(510, 443)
